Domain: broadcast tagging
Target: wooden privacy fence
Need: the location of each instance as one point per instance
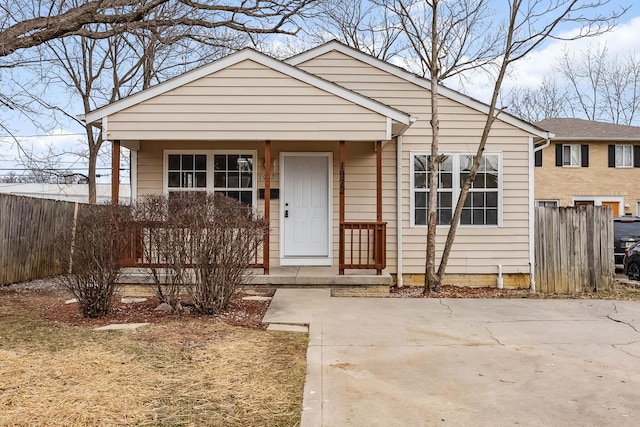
(27, 226)
(574, 249)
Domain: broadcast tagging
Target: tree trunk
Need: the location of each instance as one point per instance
(432, 282)
(94, 147)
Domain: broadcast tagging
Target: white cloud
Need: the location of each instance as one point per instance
(621, 41)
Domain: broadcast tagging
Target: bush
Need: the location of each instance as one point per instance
(90, 254)
(199, 242)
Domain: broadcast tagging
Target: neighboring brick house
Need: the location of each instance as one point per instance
(589, 163)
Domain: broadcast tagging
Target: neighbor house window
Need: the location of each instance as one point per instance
(546, 203)
(624, 156)
(229, 173)
(572, 155)
(482, 204)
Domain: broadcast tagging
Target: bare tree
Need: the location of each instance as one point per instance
(29, 24)
(600, 86)
(536, 104)
(365, 26)
(452, 37)
(105, 63)
(589, 84)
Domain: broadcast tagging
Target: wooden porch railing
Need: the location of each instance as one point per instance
(363, 245)
(140, 251)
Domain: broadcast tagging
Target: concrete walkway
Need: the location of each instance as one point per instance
(466, 362)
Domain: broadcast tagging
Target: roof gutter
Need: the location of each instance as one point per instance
(546, 143)
(597, 139)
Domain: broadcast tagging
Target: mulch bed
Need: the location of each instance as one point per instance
(248, 314)
(50, 300)
(450, 291)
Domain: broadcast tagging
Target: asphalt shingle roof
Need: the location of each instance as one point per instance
(579, 128)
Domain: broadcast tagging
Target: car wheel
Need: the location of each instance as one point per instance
(633, 271)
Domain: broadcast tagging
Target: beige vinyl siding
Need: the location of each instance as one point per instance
(247, 101)
(477, 249)
(360, 187)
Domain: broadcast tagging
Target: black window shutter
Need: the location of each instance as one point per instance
(612, 156)
(636, 156)
(558, 154)
(538, 158)
(585, 155)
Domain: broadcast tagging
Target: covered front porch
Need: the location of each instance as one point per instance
(360, 249)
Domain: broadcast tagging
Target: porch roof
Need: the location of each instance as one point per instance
(249, 96)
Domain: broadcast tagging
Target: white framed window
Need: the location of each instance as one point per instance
(546, 203)
(482, 206)
(571, 155)
(624, 156)
(231, 173)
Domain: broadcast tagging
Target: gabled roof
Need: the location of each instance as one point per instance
(463, 99)
(569, 129)
(260, 58)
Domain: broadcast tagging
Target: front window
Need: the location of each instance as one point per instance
(444, 210)
(482, 204)
(624, 156)
(571, 155)
(231, 174)
(187, 171)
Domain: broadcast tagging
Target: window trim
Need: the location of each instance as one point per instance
(456, 187)
(210, 171)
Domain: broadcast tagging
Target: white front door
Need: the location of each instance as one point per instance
(305, 209)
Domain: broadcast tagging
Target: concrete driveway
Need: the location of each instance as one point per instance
(458, 362)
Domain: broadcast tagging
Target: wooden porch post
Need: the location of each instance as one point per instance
(115, 172)
(379, 245)
(267, 204)
(341, 161)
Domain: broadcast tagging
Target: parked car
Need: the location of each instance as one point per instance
(626, 232)
(632, 262)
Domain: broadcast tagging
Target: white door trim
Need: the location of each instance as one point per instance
(318, 261)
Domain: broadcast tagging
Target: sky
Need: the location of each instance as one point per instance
(623, 40)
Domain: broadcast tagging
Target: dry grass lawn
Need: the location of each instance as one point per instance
(177, 373)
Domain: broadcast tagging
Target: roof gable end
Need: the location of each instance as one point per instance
(461, 98)
(259, 58)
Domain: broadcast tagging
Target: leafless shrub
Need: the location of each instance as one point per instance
(199, 242)
(165, 247)
(90, 252)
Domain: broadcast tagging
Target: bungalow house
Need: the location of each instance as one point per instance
(589, 163)
(331, 146)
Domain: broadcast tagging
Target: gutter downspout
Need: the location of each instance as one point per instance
(532, 247)
(399, 279)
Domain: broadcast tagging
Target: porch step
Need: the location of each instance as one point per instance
(353, 283)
